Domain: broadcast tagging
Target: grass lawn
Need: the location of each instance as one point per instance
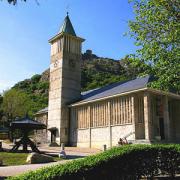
(10, 159)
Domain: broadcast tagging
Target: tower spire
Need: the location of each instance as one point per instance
(67, 26)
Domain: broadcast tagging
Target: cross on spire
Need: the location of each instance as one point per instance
(67, 9)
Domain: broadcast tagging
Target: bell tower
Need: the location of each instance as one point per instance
(65, 80)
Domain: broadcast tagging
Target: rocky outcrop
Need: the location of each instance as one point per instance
(35, 158)
(45, 75)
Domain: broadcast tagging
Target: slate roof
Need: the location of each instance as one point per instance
(115, 88)
(4, 130)
(27, 123)
(45, 110)
(67, 27)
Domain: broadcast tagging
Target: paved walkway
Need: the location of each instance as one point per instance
(16, 170)
(72, 153)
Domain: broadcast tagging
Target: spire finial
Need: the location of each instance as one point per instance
(67, 26)
(67, 9)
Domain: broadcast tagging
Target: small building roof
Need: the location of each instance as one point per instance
(42, 111)
(27, 123)
(4, 130)
(67, 27)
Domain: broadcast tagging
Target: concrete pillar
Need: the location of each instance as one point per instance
(176, 120)
(89, 112)
(133, 115)
(147, 116)
(62, 146)
(166, 119)
(104, 147)
(110, 128)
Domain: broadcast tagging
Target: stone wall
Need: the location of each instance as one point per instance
(121, 132)
(83, 138)
(97, 137)
(40, 136)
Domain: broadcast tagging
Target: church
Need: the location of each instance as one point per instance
(102, 116)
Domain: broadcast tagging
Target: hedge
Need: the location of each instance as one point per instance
(126, 162)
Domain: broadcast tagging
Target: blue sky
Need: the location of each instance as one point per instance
(26, 28)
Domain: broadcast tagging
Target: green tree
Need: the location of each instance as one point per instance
(16, 103)
(156, 29)
(1, 109)
(35, 78)
(132, 67)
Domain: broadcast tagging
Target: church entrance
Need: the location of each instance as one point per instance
(53, 131)
(53, 136)
(161, 128)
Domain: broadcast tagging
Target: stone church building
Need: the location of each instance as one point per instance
(101, 116)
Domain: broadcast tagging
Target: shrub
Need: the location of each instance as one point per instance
(35, 78)
(128, 162)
